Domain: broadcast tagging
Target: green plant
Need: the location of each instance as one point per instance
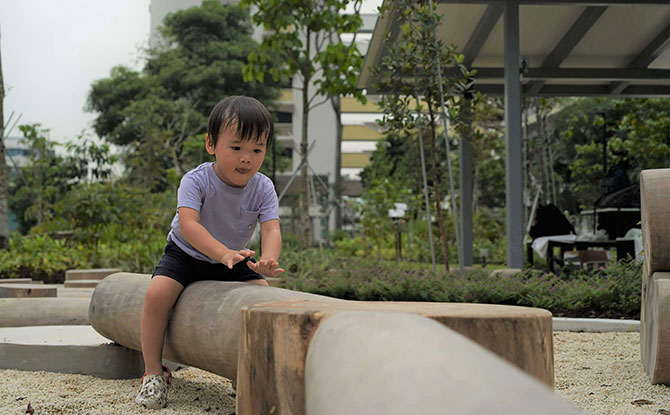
(39, 257)
(613, 292)
(305, 43)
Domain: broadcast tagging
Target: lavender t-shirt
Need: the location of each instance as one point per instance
(229, 214)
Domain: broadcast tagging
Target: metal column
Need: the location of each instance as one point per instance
(513, 160)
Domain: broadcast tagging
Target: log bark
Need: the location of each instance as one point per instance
(655, 310)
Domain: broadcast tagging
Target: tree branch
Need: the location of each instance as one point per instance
(311, 107)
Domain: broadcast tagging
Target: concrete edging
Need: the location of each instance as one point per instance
(595, 325)
(67, 349)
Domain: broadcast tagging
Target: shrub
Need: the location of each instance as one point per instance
(39, 257)
(611, 293)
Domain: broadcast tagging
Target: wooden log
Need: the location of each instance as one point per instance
(655, 304)
(655, 328)
(655, 215)
(358, 363)
(277, 337)
(204, 327)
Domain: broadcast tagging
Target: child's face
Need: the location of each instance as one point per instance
(236, 161)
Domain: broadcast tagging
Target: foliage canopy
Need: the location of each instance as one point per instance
(159, 114)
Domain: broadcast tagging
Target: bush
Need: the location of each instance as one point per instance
(39, 257)
(613, 292)
(610, 293)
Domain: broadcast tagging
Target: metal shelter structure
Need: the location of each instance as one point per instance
(615, 48)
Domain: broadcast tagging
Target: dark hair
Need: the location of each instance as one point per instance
(248, 115)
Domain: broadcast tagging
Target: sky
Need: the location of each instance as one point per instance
(53, 50)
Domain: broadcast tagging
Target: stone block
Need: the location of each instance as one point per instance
(505, 272)
(75, 292)
(17, 312)
(19, 281)
(89, 274)
(81, 283)
(27, 290)
(357, 363)
(67, 349)
(277, 336)
(599, 325)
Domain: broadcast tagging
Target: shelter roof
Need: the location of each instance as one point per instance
(569, 47)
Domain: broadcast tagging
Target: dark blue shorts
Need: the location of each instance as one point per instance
(185, 269)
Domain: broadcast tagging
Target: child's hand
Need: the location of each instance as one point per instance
(266, 266)
(233, 257)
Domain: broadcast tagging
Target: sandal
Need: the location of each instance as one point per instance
(153, 391)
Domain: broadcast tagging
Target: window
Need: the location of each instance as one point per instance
(284, 117)
(14, 152)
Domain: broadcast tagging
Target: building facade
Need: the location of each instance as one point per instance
(16, 156)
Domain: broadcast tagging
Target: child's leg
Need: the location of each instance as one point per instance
(160, 297)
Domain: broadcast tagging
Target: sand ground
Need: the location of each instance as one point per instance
(600, 373)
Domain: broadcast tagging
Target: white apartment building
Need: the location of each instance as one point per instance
(16, 156)
(16, 153)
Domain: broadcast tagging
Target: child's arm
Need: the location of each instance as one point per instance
(203, 241)
(270, 249)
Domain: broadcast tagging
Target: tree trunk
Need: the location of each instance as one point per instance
(436, 187)
(4, 216)
(305, 220)
(539, 149)
(337, 191)
(468, 130)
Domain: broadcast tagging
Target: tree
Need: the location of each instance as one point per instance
(4, 217)
(159, 112)
(642, 139)
(410, 73)
(538, 148)
(306, 37)
(636, 133)
(38, 185)
(377, 200)
(48, 177)
(575, 125)
(480, 121)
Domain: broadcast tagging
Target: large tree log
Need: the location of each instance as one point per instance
(278, 335)
(359, 364)
(655, 313)
(204, 328)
